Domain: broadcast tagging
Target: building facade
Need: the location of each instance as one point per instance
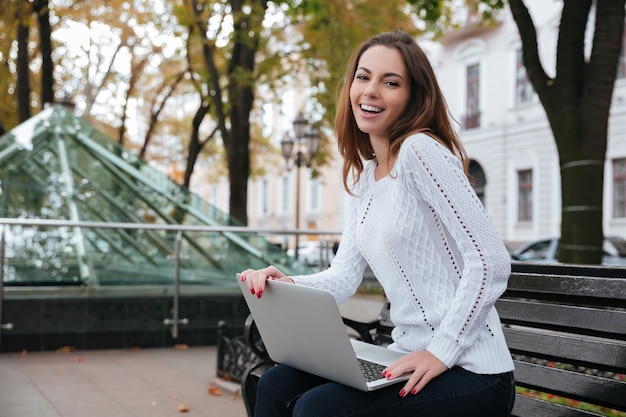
(514, 159)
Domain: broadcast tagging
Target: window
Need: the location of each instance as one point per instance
(314, 195)
(284, 194)
(621, 64)
(619, 187)
(264, 197)
(523, 88)
(524, 198)
(480, 180)
(213, 195)
(472, 104)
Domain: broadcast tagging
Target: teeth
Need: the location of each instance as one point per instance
(371, 108)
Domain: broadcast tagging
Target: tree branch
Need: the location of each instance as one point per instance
(570, 58)
(607, 47)
(528, 36)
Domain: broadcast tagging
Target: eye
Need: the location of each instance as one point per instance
(361, 77)
(392, 83)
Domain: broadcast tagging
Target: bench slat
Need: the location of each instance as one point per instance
(594, 321)
(599, 353)
(566, 270)
(605, 287)
(528, 406)
(589, 388)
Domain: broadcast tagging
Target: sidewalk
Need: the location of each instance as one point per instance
(116, 383)
(152, 382)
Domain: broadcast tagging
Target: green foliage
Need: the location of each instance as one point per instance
(580, 405)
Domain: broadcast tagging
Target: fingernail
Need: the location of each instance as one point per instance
(259, 294)
(242, 277)
(414, 391)
(384, 373)
(388, 376)
(403, 393)
(251, 290)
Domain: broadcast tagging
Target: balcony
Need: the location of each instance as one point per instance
(471, 121)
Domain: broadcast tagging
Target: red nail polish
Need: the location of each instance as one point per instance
(388, 376)
(414, 391)
(242, 277)
(403, 393)
(384, 373)
(251, 290)
(259, 294)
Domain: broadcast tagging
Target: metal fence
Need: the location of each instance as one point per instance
(38, 255)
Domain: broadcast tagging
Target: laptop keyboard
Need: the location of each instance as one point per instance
(372, 371)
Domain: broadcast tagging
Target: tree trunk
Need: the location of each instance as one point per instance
(23, 84)
(577, 103)
(195, 145)
(241, 94)
(42, 10)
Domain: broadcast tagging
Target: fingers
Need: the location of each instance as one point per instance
(424, 367)
(417, 382)
(257, 279)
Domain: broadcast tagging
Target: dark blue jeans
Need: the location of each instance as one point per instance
(285, 391)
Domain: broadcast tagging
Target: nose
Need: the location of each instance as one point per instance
(370, 90)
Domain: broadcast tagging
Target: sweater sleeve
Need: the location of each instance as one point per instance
(486, 263)
(345, 273)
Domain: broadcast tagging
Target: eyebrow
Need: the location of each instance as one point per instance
(387, 74)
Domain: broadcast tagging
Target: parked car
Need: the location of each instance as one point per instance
(546, 251)
(312, 252)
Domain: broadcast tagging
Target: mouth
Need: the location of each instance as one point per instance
(371, 109)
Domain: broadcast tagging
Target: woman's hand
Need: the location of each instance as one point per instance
(424, 365)
(256, 278)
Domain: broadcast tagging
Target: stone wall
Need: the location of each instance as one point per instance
(50, 322)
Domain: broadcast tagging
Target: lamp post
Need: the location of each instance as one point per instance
(304, 136)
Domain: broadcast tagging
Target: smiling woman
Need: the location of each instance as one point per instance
(413, 217)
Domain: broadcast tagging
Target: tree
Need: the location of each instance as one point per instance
(577, 102)
(230, 92)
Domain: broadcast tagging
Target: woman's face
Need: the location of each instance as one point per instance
(379, 92)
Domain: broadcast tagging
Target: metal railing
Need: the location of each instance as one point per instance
(176, 256)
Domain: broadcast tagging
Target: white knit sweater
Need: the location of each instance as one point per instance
(430, 243)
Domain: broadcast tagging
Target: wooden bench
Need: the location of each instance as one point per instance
(565, 326)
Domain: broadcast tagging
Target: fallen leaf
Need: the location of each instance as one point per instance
(183, 408)
(236, 395)
(66, 349)
(77, 359)
(173, 397)
(24, 352)
(181, 346)
(224, 376)
(215, 390)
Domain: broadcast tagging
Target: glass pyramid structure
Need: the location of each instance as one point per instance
(56, 166)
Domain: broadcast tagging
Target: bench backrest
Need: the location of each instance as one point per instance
(566, 328)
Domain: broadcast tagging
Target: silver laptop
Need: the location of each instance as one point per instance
(302, 327)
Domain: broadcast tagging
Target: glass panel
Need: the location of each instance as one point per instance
(69, 171)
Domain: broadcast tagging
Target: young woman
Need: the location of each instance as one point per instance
(414, 218)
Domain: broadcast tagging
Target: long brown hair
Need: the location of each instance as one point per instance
(427, 110)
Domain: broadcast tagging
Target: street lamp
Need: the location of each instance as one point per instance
(309, 137)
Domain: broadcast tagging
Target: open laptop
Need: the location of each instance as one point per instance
(302, 327)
